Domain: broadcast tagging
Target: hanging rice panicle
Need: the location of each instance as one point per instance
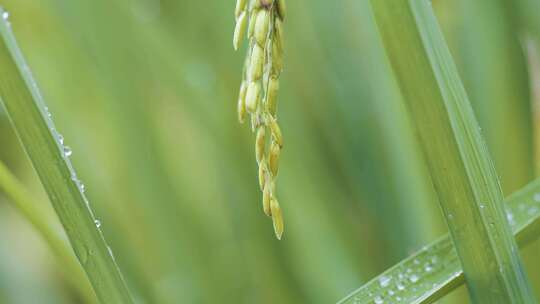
(261, 21)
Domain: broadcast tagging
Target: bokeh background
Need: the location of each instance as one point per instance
(144, 92)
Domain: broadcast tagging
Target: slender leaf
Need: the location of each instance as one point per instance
(494, 73)
(434, 271)
(498, 87)
(461, 169)
(22, 201)
(43, 144)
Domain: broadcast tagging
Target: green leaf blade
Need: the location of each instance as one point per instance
(36, 131)
(435, 270)
(461, 169)
(36, 216)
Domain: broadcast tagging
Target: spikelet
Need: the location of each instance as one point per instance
(262, 25)
(240, 7)
(242, 103)
(263, 22)
(260, 142)
(273, 158)
(271, 100)
(267, 196)
(239, 30)
(277, 217)
(253, 94)
(263, 172)
(256, 63)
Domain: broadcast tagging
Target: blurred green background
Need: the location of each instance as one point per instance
(144, 92)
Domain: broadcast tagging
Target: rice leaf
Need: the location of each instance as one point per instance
(495, 76)
(23, 202)
(50, 158)
(434, 271)
(461, 168)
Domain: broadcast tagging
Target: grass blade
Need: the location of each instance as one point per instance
(22, 201)
(434, 271)
(29, 116)
(497, 84)
(460, 166)
(498, 88)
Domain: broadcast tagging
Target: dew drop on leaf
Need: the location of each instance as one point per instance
(510, 218)
(384, 281)
(67, 151)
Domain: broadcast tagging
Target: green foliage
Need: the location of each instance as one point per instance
(463, 175)
(36, 215)
(50, 158)
(145, 92)
(433, 272)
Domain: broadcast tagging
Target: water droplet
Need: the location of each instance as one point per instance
(384, 281)
(46, 108)
(67, 151)
(391, 292)
(82, 187)
(428, 268)
(61, 139)
(5, 15)
(398, 299)
(510, 218)
(98, 223)
(378, 300)
(416, 262)
(400, 286)
(537, 197)
(414, 278)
